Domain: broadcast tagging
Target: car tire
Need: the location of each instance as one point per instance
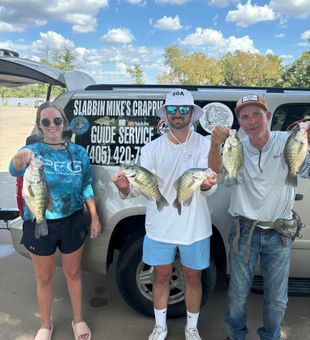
(134, 280)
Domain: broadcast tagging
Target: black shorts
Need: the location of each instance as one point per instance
(68, 234)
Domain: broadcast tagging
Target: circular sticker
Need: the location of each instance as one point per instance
(216, 114)
(79, 125)
(164, 127)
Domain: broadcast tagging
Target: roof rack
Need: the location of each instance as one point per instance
(9, 53)
(201, 88)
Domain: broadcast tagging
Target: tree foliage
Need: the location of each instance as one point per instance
(137, 73)
(297, 74)
(190, 69)
(251, 69)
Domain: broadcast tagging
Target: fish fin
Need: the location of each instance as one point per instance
(159, 180)
(188, 201)
(50, 206)
(291, 180)
(41, 229)
(30, 191)
(177, 205)
(161, 203)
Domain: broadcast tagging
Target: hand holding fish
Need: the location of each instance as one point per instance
(209, 181)
(219, 135)
(121, 182)
(23, 157)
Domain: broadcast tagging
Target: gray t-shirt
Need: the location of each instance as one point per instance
(262, 194)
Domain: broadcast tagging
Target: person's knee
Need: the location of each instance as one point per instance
(72, 275)
(45, 280)
(277, 304)
(162, 276)
(192, 277)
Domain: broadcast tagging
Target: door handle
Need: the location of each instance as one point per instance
(299, 197)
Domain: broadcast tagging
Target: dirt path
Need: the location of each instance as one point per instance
(16, 123)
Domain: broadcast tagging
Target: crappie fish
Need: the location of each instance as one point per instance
(295, 152)
(146, 182)
(36, 195)
(232, 159)
(105, 121)
(187, 184)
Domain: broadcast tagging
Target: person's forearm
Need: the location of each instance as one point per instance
(90, 203)
(215, 158)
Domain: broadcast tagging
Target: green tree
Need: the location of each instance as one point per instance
(185, 68)
(297, 74)
(251, 69)
(5, 93)
(136, 72)
(62, 58)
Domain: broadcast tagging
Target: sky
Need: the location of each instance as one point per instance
(107, 37)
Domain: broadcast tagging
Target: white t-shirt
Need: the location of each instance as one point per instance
(167, 161)
(262, 194)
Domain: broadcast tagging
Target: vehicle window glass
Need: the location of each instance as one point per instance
(286, 116)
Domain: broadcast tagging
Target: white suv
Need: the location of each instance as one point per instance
(112, 122)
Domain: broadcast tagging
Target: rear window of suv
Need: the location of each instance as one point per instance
(286, 116)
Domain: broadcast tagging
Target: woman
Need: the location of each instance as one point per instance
(68, 177)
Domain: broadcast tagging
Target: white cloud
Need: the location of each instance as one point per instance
(51, 41)
(280, 35)
(244, 44)
(286, 56)
(214, 40)
(296, 8)
(269, 51)
(7, 45)
(168, 23)
(121, 68)
(220, 3)
(249, 14)
(305, 35)
(82, 23)
(19, 15)
(137, 2)
(6, 27)
(172, 2)
(118, 36)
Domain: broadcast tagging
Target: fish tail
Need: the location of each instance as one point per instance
(161, 203)
(291, 180)
(177, 205)
(41, 229)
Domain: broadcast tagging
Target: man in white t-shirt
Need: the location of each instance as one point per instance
(168, 157)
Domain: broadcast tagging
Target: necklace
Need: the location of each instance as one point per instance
(183, 145)
(61, 143)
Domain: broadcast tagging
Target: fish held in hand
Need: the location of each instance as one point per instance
(36, 195)
(232, 159)
(146, 182)
(295, 152)
(187, 184)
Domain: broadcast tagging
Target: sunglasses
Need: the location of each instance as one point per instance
(183, 110)
(46, 122)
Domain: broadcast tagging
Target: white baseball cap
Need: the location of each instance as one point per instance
(179, 97)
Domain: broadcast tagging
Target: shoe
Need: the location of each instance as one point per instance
(44, 334)
(192, 334)
(158, 333)
(81, 328)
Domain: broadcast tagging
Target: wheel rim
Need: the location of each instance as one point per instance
(144, 278)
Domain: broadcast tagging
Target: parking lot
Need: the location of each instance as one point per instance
(106, 312)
